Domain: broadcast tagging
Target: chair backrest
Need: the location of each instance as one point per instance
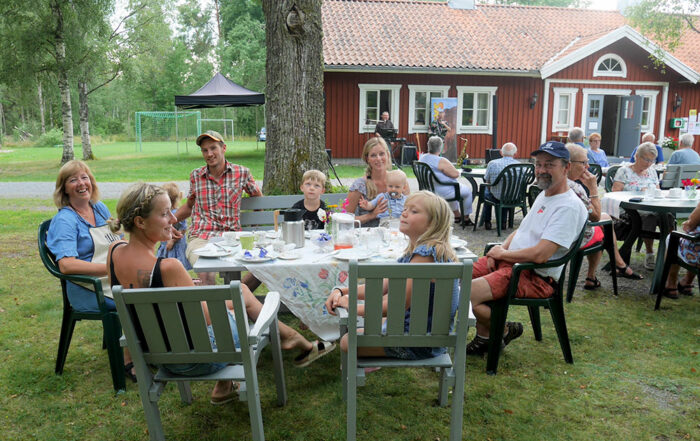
(47, 257)
(610, 176)
(424, 175)
(257, 213)
(170, 327)
(442, 277)
(513, 181)
(532, 192)
(566, 258)
(597, 170)
(676, 173)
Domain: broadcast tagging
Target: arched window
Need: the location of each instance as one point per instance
(610, 65)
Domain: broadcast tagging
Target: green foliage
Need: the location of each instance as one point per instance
(666, 21)
(49, 139)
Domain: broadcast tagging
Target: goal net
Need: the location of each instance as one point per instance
(160, 126)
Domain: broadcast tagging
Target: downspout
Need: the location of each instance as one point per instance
(545, 111)
(662, 117)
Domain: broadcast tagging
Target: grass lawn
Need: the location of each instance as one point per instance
(120, 162)
(634, 378)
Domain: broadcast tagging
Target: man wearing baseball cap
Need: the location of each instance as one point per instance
(214, 199)
(554, 222)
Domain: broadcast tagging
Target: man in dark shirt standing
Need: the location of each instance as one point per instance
(385, 128)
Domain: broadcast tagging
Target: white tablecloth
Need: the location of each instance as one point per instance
(305, 283)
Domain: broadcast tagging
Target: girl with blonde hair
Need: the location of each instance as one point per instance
(426, 220)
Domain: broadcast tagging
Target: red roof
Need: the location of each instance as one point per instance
(429, 35)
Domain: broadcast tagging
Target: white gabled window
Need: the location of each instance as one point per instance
(648, 108)
(564, 108)
(474, 109)
(375, 99)
(610, 65)
(419, 106)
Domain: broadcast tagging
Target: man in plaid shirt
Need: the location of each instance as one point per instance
(214, 199)
(214, 203)
(493, 169)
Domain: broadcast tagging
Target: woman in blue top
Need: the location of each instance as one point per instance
(596, 155)
(426, 220)
(78, 235)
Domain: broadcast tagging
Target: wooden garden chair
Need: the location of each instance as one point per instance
(442, 275)
(167, 325)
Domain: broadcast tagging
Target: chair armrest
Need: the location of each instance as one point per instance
(600, 223)
(472, 181)
(684, 235)
(268, 313)
(489, 246)
(82, 278)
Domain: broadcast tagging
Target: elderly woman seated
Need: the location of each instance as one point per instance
(690, 253)
(585, 185)
(640, 176)
(446, 172)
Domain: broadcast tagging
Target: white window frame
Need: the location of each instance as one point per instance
(488, 128)
(651, 94)
(412, 90)
(558, 92)
(393, 112)
(606, 73)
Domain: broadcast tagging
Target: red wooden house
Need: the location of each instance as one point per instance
(549, 69)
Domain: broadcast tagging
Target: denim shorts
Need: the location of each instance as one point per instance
(199, 369)
(410, 353)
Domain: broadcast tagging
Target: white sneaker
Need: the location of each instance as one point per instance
(650, 261)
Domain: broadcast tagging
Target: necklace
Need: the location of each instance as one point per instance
(88, 216)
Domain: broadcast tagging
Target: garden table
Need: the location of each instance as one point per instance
(613, 202)
(305, 282)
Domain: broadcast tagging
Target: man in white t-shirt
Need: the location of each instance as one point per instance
(551, 226)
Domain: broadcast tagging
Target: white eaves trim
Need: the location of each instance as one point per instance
(625, 31)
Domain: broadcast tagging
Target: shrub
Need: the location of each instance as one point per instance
(50, 138)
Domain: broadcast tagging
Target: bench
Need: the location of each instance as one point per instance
(258, 213)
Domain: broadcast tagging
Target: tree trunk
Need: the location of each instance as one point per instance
(63, 86)
(3, 126)
(41, 107)
(295, 113)
(84, 120)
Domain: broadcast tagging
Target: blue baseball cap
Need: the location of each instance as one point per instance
(554, 148)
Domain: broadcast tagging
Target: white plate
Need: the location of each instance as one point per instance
(273, 234)
(212, 253)
(255, 259)
(350, 254)
(456, 242)
(668, 196)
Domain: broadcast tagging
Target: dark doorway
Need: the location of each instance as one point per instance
(385, 102)
(609, 133)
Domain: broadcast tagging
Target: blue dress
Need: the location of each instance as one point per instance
(421, 353)
(178, 250)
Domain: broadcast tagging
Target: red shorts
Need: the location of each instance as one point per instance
(597, 237)
(530, 284)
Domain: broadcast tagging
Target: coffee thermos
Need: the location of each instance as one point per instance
(292, 226)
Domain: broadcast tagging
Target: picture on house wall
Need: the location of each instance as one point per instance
(443, 123)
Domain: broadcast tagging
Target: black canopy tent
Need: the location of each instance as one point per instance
(220, 92)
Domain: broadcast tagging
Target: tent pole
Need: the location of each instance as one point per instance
(177, 140)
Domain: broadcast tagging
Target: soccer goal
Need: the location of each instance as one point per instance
(222, 125)
(160, 126)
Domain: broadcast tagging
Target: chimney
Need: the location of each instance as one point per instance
(461, 4)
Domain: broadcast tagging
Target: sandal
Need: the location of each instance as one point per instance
(318, 350)
(686, 290)
(127, 371)
(594, 281)
(671, 293)
(218, 401)
(622, 272)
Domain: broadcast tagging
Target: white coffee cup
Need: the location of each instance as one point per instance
(675, 192)
(229, 237)
(658, 193)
